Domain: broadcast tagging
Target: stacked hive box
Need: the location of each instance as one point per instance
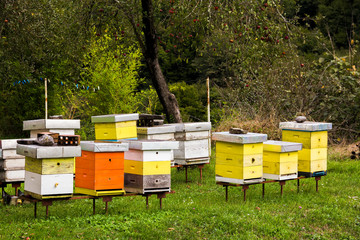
(239, 157)
(115, 127)
(194, 143)
(12, 165)
(280, 160)
(313, 136)
(100, 169)
(148, 166)
(61, 126)
(166, 133)
(49, 170)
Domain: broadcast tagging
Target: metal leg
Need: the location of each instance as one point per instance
(201, 173)
(317, 179)
(161, 196)
(298, 185)
(186, 174)
(93, 206)
(160, 203)
(263, 190)
(245, 187)
(226, 193)
(282, 183)
(147, 201)
(106, 200)
(35, 206)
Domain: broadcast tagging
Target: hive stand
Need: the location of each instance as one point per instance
(199, 166)
(281, 183)
(106, 199)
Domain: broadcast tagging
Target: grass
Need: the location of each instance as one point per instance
(198, 211)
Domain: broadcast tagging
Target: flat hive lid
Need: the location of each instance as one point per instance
(153, 145)
(191, 127)
(92, 146)
(51, 124)
(115, 118)
(306, 126)
(11, 143)
(36, 151)
(156, 130)
(280, 146)
(239, 138)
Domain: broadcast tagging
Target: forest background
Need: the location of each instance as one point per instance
(267, 61)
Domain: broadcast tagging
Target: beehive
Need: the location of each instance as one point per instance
(115, 126)
(239, 157)
(313, 136)
(48, 170)
(12, 165)
(194, 143)
(61, 126)
(280, 160)
(148, 166)
(166, 133)
(100, 169)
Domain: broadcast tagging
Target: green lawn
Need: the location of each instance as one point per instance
(199, 211)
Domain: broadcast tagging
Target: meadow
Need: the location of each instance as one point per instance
(198, 210)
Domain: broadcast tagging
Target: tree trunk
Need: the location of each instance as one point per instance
(167, 99)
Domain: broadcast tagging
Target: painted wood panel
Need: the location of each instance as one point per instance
(238, 181)
(100, 161)
(51, 124)
(281, 146)
(280, 168)
(146, 156)
(111, 118)
(12, 164)
(308, 139)
(238, 172)
(306, 126)
(159, 136)
(280, 157)
(313, 154)
(147, 168)
(36, 151)
(192, 149)
(52, 184)
(239, 138)
(187, 136)
(103, 133)
(239, 160)
(50, 165)
(147, 181)
(10, 154)
(239, 149)
(100, 179)
(12, 176)
(312, 166)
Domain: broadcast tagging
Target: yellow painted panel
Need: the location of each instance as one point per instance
(240, 149)
(50, 165)
(313, 154)
(308, 139)
(116, 124)
(280, 168)
(147, 168)
(115, 133)
(40, 197)
(92, 192)
(280, 157)
(238, 172)
(312, 166)
(238, 160)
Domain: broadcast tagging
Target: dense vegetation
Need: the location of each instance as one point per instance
(267, 61)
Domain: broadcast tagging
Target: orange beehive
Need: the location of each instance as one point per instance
(101, 166)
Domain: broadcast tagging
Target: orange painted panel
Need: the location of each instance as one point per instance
(100, 179)
(100, 161)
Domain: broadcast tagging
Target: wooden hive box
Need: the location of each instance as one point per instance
(61, 126)
(280, 160)
(239, 157)
(49, 170)
(100, 169)
(164, 132)
(148, 166)
(194, 143)
(115, 126)
(314, 137)
(12, 175)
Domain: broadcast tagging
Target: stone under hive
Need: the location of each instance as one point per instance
(314, 138)
(163, 132)
(280, 160)
(100, 169)
(115, 126)
(12, 165)
(61, 126)
(49, 170)
(148, 166)
(239, 157)
(194, 143)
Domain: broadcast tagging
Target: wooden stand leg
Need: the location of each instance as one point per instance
(47, 203)
(317, 179)
(263, 190)
(106, 200)
(298, 185)
(245, 187)
(201, 168)
(160, 196)
(16, 186)
(186, 173)
(226, 193)
(147, 201)
(35, 206)
(93, 206)
(282, 183)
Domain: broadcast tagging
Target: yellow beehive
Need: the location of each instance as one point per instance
(147, 168)
(50, 165)
(115, 127)
(314, 137)
(280, 160)
(239, 157)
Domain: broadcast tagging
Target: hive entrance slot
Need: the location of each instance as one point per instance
(252, 160)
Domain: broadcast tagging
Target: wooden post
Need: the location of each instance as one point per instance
(46, 100)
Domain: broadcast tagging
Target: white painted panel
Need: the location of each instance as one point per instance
(13, 164)
(192, 149)
(8, 143)
(51, 124)
(156, 129)
(10, 153)
(163, 136)
(147, 156)
(36, 151)
(153, 145)
(186, 136)
(239, 138)
(33, 133)
(103, 147)
(238, 181)
(306, 126)
(52, 184)
(12, 176)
